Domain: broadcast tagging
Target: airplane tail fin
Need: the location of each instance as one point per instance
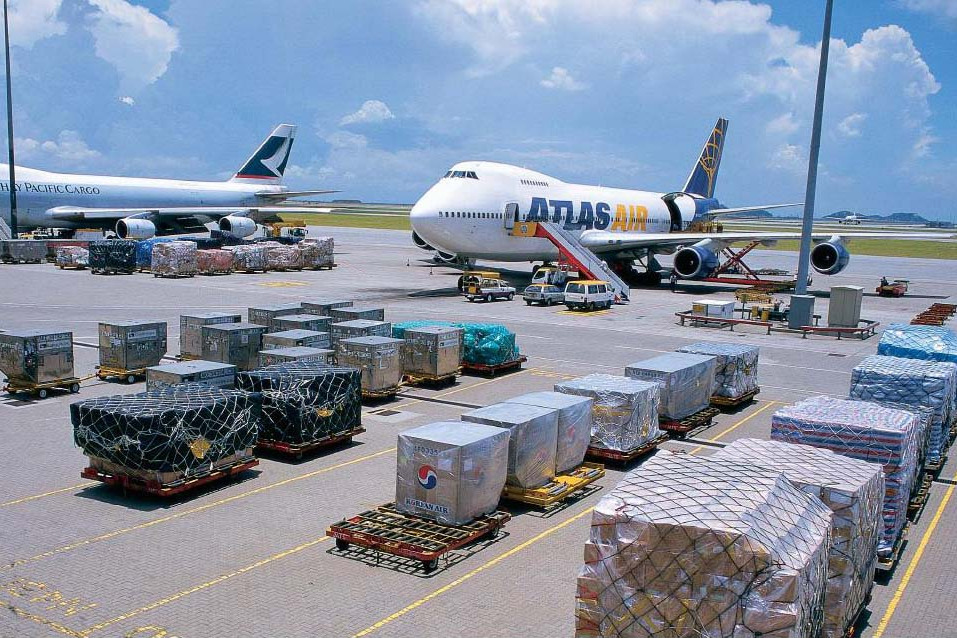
(705, 172)
(268, 163)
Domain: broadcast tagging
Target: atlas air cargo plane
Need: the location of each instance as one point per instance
(471, 213)
(138, 208)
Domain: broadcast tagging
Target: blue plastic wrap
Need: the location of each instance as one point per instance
(930, 343)
(144, 251)
(488, 344)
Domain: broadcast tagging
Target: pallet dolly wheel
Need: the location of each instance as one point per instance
(342, 544)
(429, 566)
(43, 393)
(130, 379)
(74, 388)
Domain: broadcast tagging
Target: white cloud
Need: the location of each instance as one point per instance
(946, 9)
(784, 124)
(127, 100)
(371, 111)
(563, 80)
(34, 20)
(345, 139)
(850, 126)
(922, 146)
(69, 147)
(138, 43)
(789, 157)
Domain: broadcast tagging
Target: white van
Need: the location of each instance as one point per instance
(587, 294)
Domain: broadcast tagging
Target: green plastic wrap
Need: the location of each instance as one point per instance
(488, 344)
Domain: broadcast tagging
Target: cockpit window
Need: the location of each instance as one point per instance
(462, 174)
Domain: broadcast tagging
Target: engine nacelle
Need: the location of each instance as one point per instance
(237, 226)
(694, 262)
(420, 243)
(830, 257)
(444, 257)
(132, 228)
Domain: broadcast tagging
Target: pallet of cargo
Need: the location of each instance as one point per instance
(385, 530)
(681, 428)
(322, 267)
(935, 467)
(430, 379)
(889, 562)
(129, 376)
(140, 485)
(298, 450)
(42, 390)
(730, 403)
(174, 275)
(617, 456)
(564, 486)
(492, 370)
(11, 260)
(854, 626)
(382, 394)
(71, 266)
(919, 498)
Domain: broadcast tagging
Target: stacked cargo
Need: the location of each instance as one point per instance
(248, 257)
(574, 424)
(281, 257)
(22, 251)
(358, 328)
(128, 346)
(314, 323)
(235, 343)
(296, 339)
(191, 331)
(264, 315)
(624, 411)
(305, 402)
(930, 343)
(72, 257)
(485, 344)
(352, 313)
(143, 252)
(174, 259)
(686, 382)
(865, 431)
(33, 357)
(929, 384)
(323, 307)
(736, 367)
(689, 547)
(378, 358)
(305, 354)
(113, 256)
(854, 491)
(432, 352)
(451, 472)
(218, 375)
(214, 261)
(317, 252)
(533, 440)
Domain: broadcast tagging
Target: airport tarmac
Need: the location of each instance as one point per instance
(250, 558)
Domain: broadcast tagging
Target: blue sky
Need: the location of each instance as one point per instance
(387, 95)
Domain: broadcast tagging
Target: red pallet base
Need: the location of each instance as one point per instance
(697, 420)
(491, 371)
(300, 449)
(165, 490)
(616, 456)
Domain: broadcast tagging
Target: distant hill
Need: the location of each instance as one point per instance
(893, 218)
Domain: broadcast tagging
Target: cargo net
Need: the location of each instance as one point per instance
(214, 262)
(317, 252)
(688, 547)
(248, 257)
(282, 257)
(928, 384)
(488, 344)
(931, 343)
(865, 431)
(736, 373)
(188, 428)
(854, 492)
(174, 259)
(72, 257)
(624, 411)
(305, 401)
(113, 255)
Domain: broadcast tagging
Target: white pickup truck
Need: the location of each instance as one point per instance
(489, 290)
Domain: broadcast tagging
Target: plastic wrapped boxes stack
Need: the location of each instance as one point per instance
(22, 251)
(191, 330)
(358, 328)
(113, 256)
(72, 257)
(143, 254)
(854, 491)
(275, 356)
(929, 384)
(351, 313)
(31, 357)
(624, 412)
(317, 252)
(686, 382)
(131, 345)
(432, 351)
(218, 375)
(281, 257)
(213, 261)
(533, 440)
(305, 402)
(301, 322)
(378, 358)
(174, 259)
(248, 257)
(235, 343)
(930, 343)
(574, 424)
(296, 339)
(264, 315)
(323, 307)
(451, 472)
(487, 344)
(689, 547)
(168, 433)
(736, 367)
(865, 431)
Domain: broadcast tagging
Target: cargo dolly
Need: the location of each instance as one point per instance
(382, 394)
(888, 562)
(151, 487)
(564, 486)
(730, 403)
(385, 530)
(919, 498)
(681, 428)
(492, 370)
(129, 376)
(419, 379)
(298, 450)
(623, 458)
(42, 390)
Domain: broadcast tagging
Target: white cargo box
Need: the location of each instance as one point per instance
(713, 308)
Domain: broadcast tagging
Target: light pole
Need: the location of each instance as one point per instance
(13, 178)
(802, 305)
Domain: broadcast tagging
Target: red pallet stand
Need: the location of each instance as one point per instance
(298, 450)
(129, 483)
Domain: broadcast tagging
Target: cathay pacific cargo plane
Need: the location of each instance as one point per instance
(471, 213)
(139, 208)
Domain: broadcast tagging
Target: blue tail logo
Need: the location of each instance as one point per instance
(269, 161)
(705, 173)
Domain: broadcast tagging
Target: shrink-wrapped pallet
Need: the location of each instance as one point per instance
(296, 339)
(574, 424)
(686, 382)
(929, 384)
(736, 366)
(378, 358)
(533, 439)
(489, 344)
(182, 429)
(22, 251)
(865, 431)
(317, 252)
(451, 472)
(214, 261)
(248, 257)
(174, 259)
(282, 257)
(144, 251)
(304, 402)
(112, 256)
(72, 257)
(624, 412)
(687, 547)
(931, 343)
(854, 492)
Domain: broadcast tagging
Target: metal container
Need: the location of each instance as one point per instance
(235, 343)
(533, 440)
(264, 315)
(191, 330)
(378, 358)
(432, 351)
(713, 308)
(314, 323)
(322, 307)
(296, 353)
(844, 309)
(219, 375)
(358, 328)
(131, 345)
(296, 338)
(351, 313)
(23, 251)
(30, 357)
(113, 256)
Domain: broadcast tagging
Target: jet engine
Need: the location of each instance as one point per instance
(830, 257)
(132, 228)
(444, 257)
(420, 243)
(695, 262)
(237, 226)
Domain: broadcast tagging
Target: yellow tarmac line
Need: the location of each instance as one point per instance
(40, 620)
(892, 607)
(200, 587)
(195, 510)
(26, 499)
(737, 425)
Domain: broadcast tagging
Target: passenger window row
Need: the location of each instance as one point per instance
(468, 215)
(532, 182)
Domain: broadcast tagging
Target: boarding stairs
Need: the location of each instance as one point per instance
(587, 263)
(5, 232)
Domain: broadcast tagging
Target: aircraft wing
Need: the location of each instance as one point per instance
(269, 196)
(716, 212)
(77, 213)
